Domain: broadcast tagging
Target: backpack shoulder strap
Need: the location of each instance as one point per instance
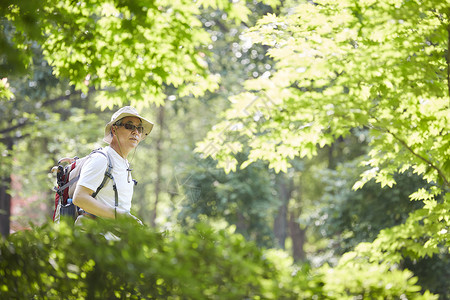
(108, 175)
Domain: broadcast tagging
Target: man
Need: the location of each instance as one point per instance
(123, 134)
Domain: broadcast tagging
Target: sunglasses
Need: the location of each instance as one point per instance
(132, 127)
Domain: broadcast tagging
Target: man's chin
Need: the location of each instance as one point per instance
(134, 143)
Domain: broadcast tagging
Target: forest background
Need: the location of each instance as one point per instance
(317, 128)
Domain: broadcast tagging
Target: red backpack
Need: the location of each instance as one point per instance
(67, 174)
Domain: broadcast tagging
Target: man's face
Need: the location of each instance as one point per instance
(129, 132)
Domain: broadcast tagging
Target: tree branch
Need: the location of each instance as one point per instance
(44, 104)
(21, 124)
(441, 174)
(65, 97)
(385, 130)
(5, 140)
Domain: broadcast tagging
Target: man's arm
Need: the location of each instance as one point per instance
(82, 198)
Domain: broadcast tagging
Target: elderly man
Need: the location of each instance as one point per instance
(113, 199)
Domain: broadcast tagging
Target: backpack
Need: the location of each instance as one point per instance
(66, 181)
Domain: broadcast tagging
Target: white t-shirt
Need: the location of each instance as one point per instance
(93, 172)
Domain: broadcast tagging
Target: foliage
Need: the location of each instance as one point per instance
(380, 65)
(38, 125)
(35, 118)
(431, 272)
(110, 44)
(45, 107)
(203, 264)
(186, 121)
(350, 217)
(70, 263)
(335, 83)
(244, 198)
(422, 235)
(5, 93)
(370, 280)
(130, 51)
(346, 218)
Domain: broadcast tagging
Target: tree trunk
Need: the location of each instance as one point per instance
(335, 152)
(298, 237)
(5, 205)
(297, 234)
(159, 159)
(280, 226)
(331, 160)
(5, 196)
(241, 224)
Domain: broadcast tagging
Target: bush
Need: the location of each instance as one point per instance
(62, 262)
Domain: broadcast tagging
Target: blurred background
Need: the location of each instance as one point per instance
(310, 210)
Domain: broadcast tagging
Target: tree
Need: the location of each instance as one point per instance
(244, 198)
(349, 217)
(127, 53)
(126, 50)
(186, 120)
(37, 103)
(129, 50)
(344, 218)
(341, 65)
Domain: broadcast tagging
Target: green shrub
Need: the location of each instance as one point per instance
(61, 262)
(355, 277)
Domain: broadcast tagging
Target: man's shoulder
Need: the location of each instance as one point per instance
(97, 159)
(101, 152)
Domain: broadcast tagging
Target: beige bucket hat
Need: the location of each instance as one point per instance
(127, 111)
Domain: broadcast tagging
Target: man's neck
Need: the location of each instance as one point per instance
(122, 152)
